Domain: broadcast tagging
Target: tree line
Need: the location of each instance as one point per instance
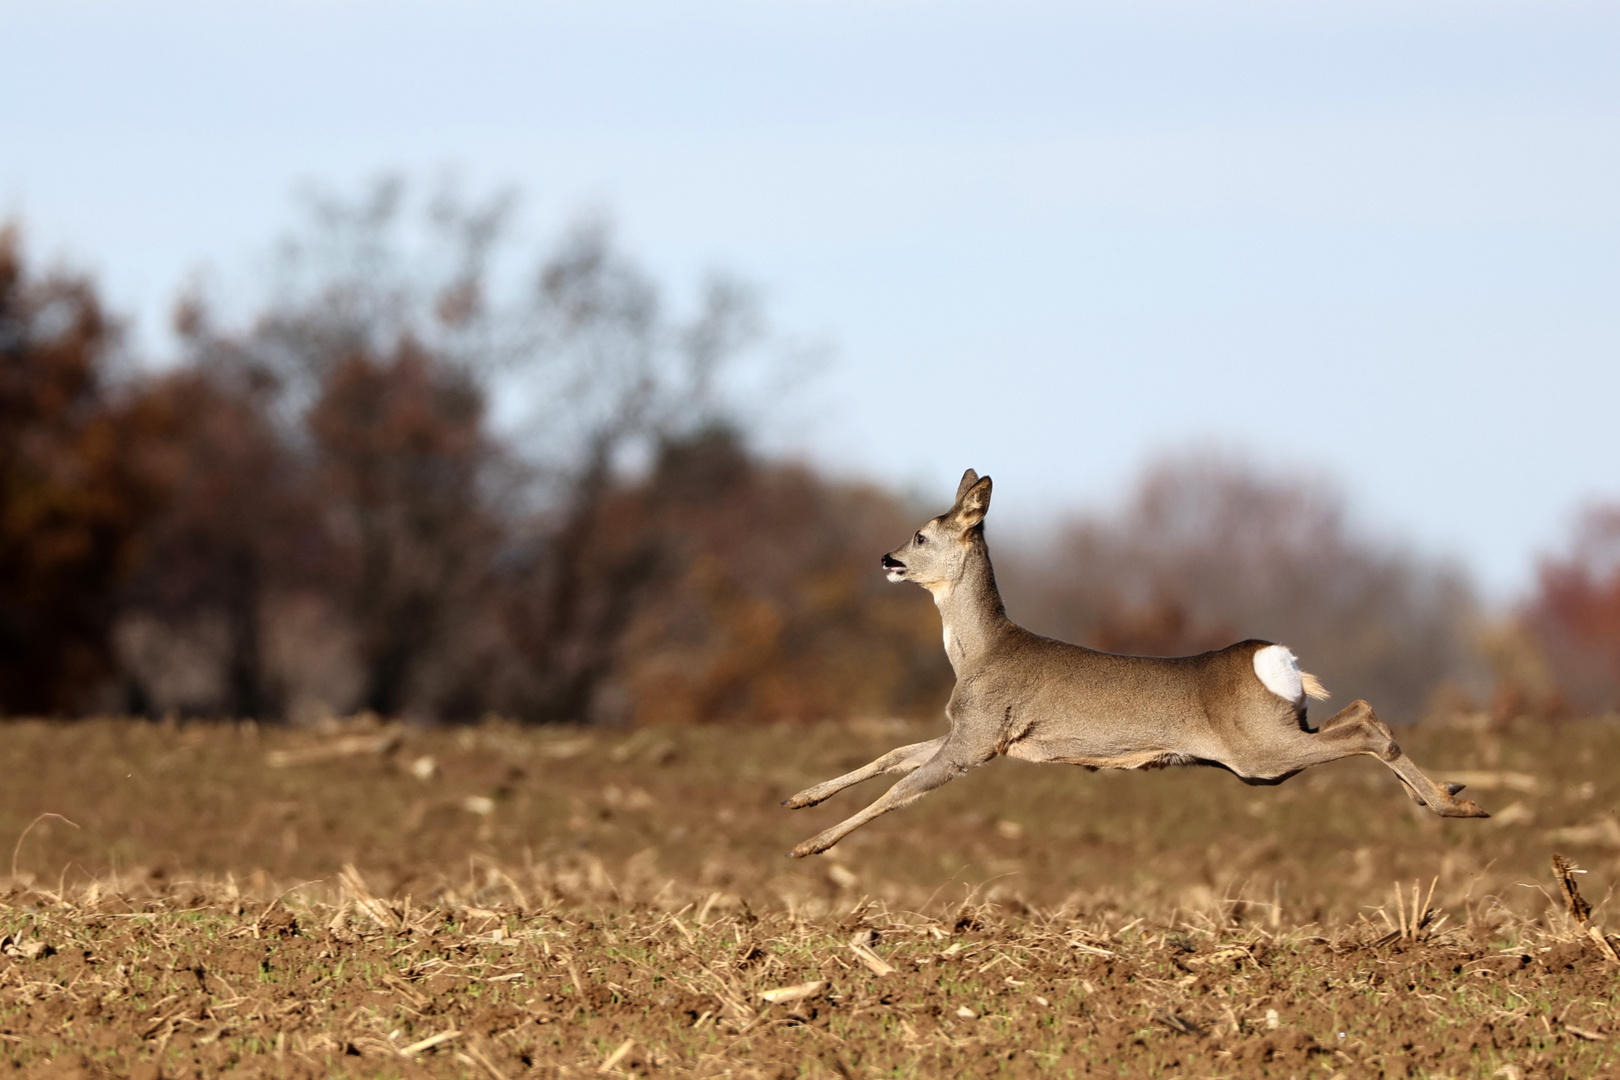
(312, 510)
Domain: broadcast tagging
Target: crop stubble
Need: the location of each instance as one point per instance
(372, 900)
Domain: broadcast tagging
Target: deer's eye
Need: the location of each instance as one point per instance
(921, 539)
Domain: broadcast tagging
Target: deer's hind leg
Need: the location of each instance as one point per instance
(1356, 729)
(900, 760)
(1441, 798)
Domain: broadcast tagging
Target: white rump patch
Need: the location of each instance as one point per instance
(1279, 670)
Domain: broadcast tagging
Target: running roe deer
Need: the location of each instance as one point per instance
(1030, 697)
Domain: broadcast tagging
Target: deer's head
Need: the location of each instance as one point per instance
(938, 554)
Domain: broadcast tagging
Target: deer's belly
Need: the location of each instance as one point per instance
(1149, 758)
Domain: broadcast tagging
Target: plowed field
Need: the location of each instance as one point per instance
(371, 900)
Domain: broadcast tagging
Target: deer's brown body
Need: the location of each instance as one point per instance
(1030, 697)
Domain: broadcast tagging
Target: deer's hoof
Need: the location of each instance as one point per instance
(814, 846)
(1464, 808)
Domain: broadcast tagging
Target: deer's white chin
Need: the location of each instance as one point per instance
(896, 575)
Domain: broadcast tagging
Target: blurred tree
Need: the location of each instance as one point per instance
(1574, 615)
(1209, 551)
(383, 342)
(238, 519)
(72, 501)
(757, 595)
(622, 381)
(401, 448)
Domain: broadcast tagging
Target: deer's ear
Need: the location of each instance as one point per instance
(974, 503)
(969, 478)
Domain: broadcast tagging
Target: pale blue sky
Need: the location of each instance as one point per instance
(1379, 241)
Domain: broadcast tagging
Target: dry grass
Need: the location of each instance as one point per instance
(501, 903)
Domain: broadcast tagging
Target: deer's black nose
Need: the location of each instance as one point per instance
(892, 563)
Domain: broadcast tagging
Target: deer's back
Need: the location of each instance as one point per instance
(1057, 701)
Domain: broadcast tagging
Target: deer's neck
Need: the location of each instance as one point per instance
(970, 608)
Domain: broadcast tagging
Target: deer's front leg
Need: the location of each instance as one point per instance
(900, 760)
(953, 758)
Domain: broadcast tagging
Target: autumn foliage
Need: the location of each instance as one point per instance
(312, 510)
(1574, 615)
(312, 513)
(767, 600)
(72, 499)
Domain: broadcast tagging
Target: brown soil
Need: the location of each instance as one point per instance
(373, 901)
